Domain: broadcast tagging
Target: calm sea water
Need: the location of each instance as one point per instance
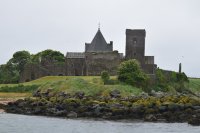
(11, 123)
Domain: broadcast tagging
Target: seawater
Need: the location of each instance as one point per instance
(12, 123)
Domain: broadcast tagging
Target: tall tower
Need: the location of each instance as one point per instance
(135, 44)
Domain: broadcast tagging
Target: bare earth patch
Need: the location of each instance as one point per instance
(5, 98)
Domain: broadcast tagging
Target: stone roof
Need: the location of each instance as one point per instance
(98, 44)
(75, 55)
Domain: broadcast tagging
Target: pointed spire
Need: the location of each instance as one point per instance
(99, 25)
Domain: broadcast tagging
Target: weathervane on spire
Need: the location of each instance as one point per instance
(99, 26)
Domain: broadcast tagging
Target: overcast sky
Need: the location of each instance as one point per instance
(172, 27)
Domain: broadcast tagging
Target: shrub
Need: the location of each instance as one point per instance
(105, 76)
(181, 77)
(130, 72)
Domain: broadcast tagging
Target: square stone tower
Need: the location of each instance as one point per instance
(135, 44)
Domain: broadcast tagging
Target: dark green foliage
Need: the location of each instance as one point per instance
(20, 59)
(166, 80)
(105, 76)
(181, 77)
(19, 88)
(55, 56)
(173, 77)
(130, 73)
(9, 73)
(161, 78)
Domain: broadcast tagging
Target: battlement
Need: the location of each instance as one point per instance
(136, 32)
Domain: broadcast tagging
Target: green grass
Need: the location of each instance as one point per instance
(19, 88)
(194, 84)
(90, 85)
(47, 79)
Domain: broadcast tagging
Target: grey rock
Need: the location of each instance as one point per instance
(115, 94)
(150, 117)
(72, 114)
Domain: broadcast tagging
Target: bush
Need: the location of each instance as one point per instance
(181, 77)
(130, 73)
(105, 76)
(170, 81)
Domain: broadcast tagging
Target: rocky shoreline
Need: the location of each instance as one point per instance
(155, 108)
(4, 102)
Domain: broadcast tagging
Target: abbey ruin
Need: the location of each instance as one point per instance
(98, 56)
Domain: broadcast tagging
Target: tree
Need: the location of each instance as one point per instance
(130, 72)
(51, 55)
(20, 59)
(8, 74)
(105, 76)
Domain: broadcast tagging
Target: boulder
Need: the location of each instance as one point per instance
(72, 114)
(63, 94)
(115, 94)
(59, 113)
(107, 115)
(79, 95)
(173, 107)
(38, 111)
(144, 95)
(196, 107)
(46, 93)
(162, 108)
(150, 117)
(158, 94)
(2, 106)
(36, 93)
(195, 121)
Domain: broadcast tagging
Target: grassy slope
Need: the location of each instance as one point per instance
(195, 85)
(55, 78)
(91, 85)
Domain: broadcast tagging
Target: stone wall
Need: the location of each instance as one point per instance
(35, 71)
(98, 62)
(75, 67)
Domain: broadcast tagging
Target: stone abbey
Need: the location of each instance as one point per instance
(98, 56)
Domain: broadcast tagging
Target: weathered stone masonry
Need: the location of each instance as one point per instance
(98, 56)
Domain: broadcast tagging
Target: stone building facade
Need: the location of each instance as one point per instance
(98, 56)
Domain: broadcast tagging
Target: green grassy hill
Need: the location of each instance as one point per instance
(56, 78)
(91, 85)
